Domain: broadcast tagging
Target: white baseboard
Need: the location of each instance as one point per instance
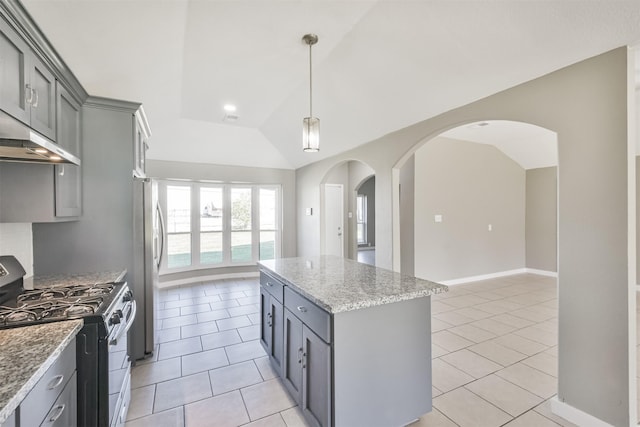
(198, 279)
(542, 272)
(498, 274)
(483, 277)
(575, 415)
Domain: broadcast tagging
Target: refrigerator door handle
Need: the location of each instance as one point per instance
(161, 222)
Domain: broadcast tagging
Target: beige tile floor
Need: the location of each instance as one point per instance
(494, 359)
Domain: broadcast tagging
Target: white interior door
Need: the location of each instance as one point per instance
(334, 217)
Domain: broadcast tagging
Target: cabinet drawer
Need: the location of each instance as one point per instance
(273, 286)
(38, 402)
(318, 320)
(64, 411)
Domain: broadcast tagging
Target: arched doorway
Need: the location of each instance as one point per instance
(338, 207)
(480, 200)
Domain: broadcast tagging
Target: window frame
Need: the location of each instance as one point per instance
(196, 261)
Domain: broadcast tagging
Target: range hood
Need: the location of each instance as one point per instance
(20, 143)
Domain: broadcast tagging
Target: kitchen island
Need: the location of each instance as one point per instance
(351, 342)
(26, 354)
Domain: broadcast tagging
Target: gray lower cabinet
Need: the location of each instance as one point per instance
(365, 367)
(307, 370)
(271, 312)
(64, 412)
(307, 363)
(53, 400)
(11, 421)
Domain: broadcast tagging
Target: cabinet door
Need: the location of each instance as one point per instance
(292, 360)
(68, 120)
(14, 73)
(63, 413)
(277, 344)
(43, 104)
(68, 190)
(265, 317)
(316, 379)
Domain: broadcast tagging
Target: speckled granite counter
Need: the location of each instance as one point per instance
(46, 281)
(339, 284)
(25, 355)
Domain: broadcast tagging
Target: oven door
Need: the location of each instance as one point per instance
(120, 365)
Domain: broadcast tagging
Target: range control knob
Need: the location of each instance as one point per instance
(115, 319)
(128, 296)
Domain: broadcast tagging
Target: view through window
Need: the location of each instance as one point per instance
(219, 225)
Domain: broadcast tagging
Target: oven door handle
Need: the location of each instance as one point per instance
(123, 329)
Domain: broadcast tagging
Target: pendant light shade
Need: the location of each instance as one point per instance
(310, 125)
(311, 134)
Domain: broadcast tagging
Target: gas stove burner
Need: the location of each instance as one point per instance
(19, 316)
(42, 294)
(91, 290)
(78, 310)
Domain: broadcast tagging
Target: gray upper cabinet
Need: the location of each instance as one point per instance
(41, 95)
(14, 73)
(68, 178)
(69, 119)
(27, 86)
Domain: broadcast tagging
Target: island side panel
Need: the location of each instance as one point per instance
(382, 364)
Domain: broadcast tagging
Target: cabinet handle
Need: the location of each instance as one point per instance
(269, 284)
(55, 382)
(55, 417)
(302, 309)
(300, 355)
(28, 94)
(35, 103)
(304, 357)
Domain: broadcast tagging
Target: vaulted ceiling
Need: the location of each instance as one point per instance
(379, 66)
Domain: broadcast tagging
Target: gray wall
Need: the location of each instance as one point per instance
(368, 188)
(586, 105)
(541, 219)
(207, 172)
(471, 185)
(407, 208)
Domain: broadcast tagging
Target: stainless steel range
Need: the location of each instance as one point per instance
(108, 311)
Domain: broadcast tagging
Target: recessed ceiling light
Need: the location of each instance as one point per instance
(479, 125)
(229, 108)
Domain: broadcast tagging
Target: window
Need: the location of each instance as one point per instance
(268, 222)
(241, 239)
(178, 226)
(214, 225)
(211, 225)
(361, 219)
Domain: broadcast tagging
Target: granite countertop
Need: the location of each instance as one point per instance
(46, 281)
(339, 284)
(25, 355)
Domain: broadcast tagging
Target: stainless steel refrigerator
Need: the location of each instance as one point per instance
(148, 233)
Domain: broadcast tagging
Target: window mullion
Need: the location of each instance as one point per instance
(195, 224)
(226, 225)
(255, 223)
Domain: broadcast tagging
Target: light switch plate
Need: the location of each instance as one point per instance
(437, 218)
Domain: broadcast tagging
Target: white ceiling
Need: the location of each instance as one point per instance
(528, 145)
(379, 66)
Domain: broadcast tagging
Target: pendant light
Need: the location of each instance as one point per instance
(310, 125)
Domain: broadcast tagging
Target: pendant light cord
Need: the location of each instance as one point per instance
(310, 83)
